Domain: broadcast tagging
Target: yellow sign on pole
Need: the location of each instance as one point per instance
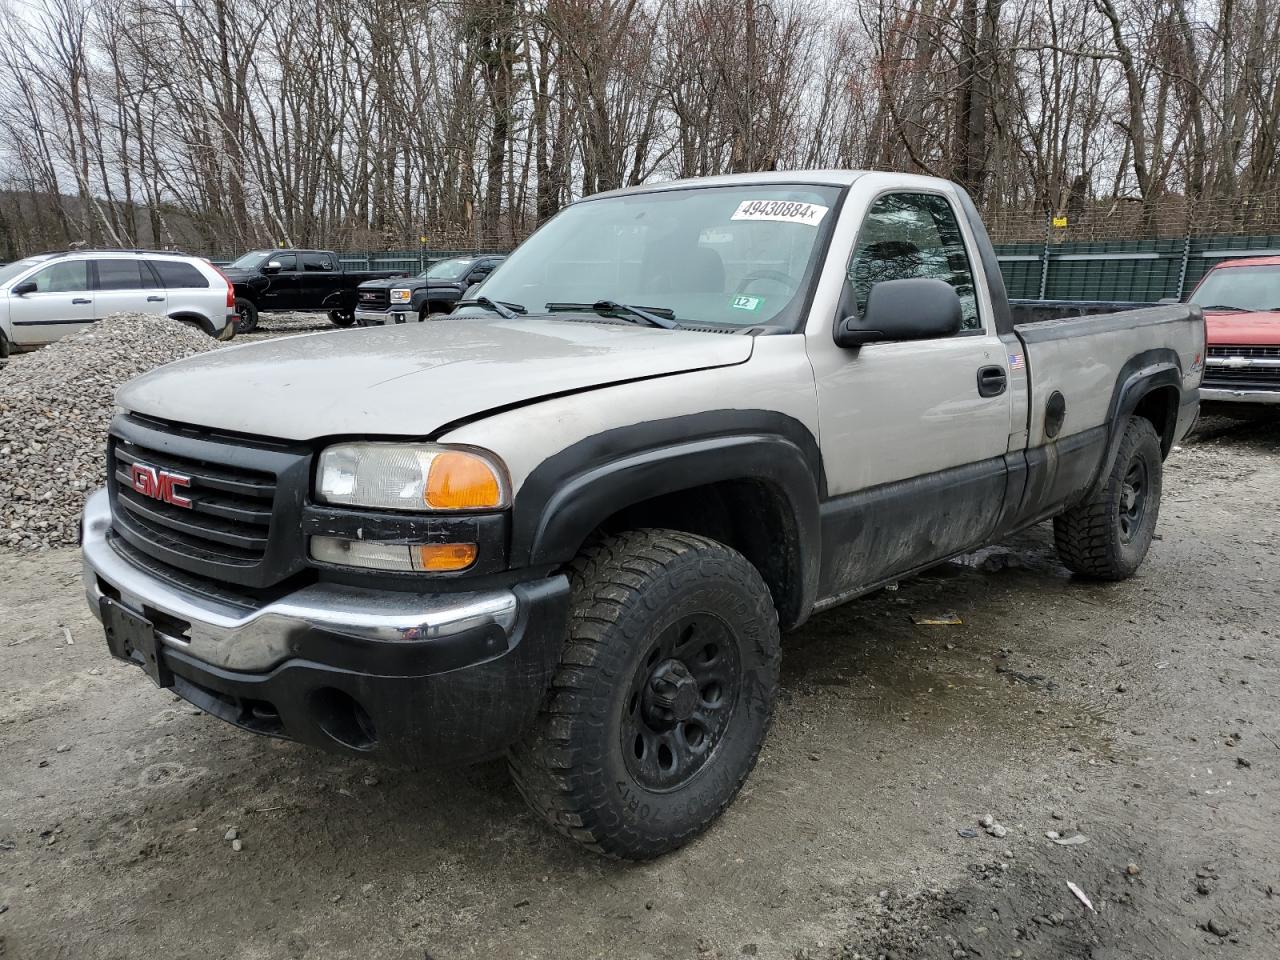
(1059, 221)
(422, 239)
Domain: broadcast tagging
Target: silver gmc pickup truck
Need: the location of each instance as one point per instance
(568, 523)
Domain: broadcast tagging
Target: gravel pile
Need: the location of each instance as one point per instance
(55, 406)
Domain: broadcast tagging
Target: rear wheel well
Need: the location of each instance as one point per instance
(195, 319)
(750, 516)
(1160, 406)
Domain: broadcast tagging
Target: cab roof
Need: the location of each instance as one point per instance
(822, 178)
(1249, 262)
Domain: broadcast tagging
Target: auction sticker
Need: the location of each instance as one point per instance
(747, 303)
(785, 211)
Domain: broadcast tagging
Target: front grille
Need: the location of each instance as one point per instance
(1243, 368)
(242, 525)
(374, 299)
(229, 519)
(1245, 352)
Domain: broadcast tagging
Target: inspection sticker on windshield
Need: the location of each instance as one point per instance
(747, 303)
(786, 211)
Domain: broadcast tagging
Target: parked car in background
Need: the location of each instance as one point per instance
(45, 297)
(568, 521)
(1241, 304)
(435, 290)
(297, 280)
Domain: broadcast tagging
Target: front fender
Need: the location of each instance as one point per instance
(573, 492)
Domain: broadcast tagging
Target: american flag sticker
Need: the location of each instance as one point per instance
(1016, 362)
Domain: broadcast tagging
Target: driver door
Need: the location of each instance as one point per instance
(282, 292)
(913, 444)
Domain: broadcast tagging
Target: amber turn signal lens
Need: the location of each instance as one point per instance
(462, 481)
(446, 556)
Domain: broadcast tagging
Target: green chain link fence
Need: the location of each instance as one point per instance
(1137, 270)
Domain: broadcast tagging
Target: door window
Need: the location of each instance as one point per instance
(314, 262)
(119, 275)
(288, 262)
(67, 276)
(909, 235)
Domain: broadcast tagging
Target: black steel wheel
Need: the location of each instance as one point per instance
(663, 697)
(342, 318)
(680, 702)
(1133, 499)
(1108, 534)
(246, 316)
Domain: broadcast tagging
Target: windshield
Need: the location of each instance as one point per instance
(250, 261)
(735, 256)
(11, 270)
(449, 269)
(1242, 288)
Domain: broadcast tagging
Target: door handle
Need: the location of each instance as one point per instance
(155, 299)
(79, 300)
(992, 381)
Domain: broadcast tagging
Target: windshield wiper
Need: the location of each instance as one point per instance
(654, 316)
(504, 309)
(1223, 306)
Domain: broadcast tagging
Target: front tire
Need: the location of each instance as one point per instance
(342, 318)
(1107, 536)
(663, 697)
(246, 316)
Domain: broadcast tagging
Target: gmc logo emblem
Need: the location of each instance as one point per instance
(159, 484)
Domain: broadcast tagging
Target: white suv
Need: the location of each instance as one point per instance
(45, 297)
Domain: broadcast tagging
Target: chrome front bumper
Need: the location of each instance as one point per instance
(384, 317)
(229, 635)
(1221, 395)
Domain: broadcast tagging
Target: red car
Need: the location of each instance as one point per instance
(1241, 303)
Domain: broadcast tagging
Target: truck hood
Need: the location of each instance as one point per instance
(386, 283)
(411, 380)
(1259, 329)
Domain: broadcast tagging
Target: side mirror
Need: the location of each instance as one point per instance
(272, 266)
(913, 309)
(25, 287)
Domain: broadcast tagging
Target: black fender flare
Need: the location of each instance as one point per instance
(570, 494)
(1145, 372)
(249, 291)
(426, 295)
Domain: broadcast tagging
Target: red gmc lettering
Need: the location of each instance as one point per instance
(159, 484)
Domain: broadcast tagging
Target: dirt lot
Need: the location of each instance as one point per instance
(1144, 716)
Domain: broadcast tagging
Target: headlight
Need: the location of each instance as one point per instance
(401, 296)
(417, 477)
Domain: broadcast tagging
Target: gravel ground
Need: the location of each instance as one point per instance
(56, 404)
(1142, 716)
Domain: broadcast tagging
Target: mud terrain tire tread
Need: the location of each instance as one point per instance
(618, 585)
(1087, 536)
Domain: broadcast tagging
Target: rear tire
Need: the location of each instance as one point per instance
(342, 318)
(246, 316)
(4, 346)
(663, 697)
(1107, 536)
